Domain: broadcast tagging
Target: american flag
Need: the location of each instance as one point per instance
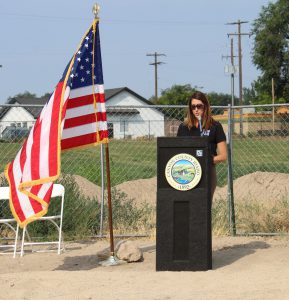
(74, 116)
(85, 118)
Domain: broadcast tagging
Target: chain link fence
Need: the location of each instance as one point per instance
(257, 169)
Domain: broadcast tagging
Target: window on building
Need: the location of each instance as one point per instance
(24, 124)
(123, 126)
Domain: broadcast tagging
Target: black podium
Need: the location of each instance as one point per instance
(183, 237)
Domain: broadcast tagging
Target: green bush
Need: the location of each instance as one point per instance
(127, 217)
(81, 216)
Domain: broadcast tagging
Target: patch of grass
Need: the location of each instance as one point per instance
(8, 152)
(136, 159)
(129, 218)
(220, 225)
(252, 217)
(129, 160)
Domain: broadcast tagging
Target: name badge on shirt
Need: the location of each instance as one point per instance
(205, 132)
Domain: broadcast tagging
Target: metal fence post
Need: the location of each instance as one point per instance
(231, 207)
(102, 190)
(149, 130)
(124, 129)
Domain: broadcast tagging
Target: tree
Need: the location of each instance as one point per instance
(176, 95)
(28, 95)
(25, 95)
(271, 50)
(179, 95)
(249, 96)
(219, 99)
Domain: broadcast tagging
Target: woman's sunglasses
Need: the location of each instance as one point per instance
(198, 106)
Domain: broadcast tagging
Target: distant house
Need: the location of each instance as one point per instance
(134, 121)
(126, 114)
(20, 116)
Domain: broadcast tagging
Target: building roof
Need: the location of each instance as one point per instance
(131, 111)
(109, 93)
(35, 111)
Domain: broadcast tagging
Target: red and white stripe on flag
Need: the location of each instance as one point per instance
(32, 172)
(85, 119)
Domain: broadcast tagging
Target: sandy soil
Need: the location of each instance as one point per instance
(243, 268)
(258, 186)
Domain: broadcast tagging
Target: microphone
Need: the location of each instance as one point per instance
(200, 124)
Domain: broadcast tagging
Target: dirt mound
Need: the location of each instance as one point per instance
(142, 190)
(87, 188)
(259, 186)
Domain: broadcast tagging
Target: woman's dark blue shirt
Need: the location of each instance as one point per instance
(216, 134)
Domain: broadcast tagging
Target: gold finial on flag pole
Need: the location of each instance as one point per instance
(95, 10)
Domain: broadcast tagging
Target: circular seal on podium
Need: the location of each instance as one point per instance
(183, 172)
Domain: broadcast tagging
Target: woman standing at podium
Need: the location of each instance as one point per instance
(199, 122)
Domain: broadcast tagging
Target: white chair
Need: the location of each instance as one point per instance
(58, 191)
(8, 222)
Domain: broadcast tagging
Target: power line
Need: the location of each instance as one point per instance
(156, 63)
(119, 21)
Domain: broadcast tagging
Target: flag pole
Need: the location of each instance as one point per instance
(109, 200)
(112, 260)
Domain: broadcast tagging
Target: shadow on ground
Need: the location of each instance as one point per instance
(229, 254)
(221, 257)
(79, 263)
(89, 262)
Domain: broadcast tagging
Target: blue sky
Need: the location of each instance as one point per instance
(39, 37)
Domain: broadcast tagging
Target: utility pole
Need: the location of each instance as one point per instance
(239, 34)
(156, 63)
(232, 85)
(231, 208)
(232, 70)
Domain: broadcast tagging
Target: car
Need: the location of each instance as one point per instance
(14, 134)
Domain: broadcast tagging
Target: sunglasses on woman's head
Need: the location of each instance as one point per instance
(198, 106)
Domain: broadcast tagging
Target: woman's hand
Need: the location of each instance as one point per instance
(221, 153)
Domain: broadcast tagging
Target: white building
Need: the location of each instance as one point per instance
(20, 116)
(129, 115)
(132, 116)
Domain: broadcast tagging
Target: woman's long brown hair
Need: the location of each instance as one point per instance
(207, 119)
